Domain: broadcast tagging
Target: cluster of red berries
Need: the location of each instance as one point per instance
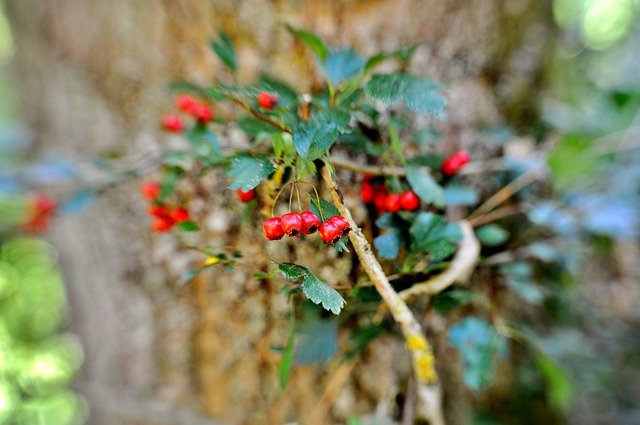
(41, 208)
(202, 113)
(164, 216)
(455, 162)
(383, 201)
(306, 223)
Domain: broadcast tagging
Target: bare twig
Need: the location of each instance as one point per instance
(506, 192)
(496, 214)
(259, 115)
(429, 398)
(331, 391)
(459, 269)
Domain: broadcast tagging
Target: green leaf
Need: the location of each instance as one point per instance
(518, 277)
(559, 387)
(314, 137)
(205, 141)
(396, 146)
(248, 93)
(492, 235)
(447, 301)
(314, 42)
(574, 163)
(323, 208)
(343, 64)
(188, 226)
(388, 245)
(404, 53)
(286, 363)
(425, 186)
(188, 276)
(458, 195)
(286, 95)
(426, 136)
(313, 287)
(253, 126)
(318, 342)
(431, 234)
(223, 47)
(418, 94)
(248, 171)
(479, 343)
(341, 245)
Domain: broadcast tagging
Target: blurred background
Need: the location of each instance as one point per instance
(93, 328)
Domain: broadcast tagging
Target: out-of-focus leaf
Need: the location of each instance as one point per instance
(388, 245)
(492, 235)
(223, 47)
(418, 94)
(425, 186)
(479, 343)
(343, 64)
(248, 171)
(459, 195)
(518, 277)
(314, 42)
(286, 363)
(559, 387)
(79, 201)
(431, 234)
(317, 343)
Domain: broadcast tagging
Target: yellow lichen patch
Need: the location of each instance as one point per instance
(424, 365)
(416, 343)
(210, 261)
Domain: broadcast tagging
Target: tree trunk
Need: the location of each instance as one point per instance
(94, 76)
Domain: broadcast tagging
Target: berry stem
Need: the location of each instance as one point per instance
(429, 393)
(259, 115)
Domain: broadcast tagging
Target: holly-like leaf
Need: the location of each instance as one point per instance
(223, 47)
(479, 343)
(343, 64)
(314, 42)
(313, 138)
(388, 245)
(431, 234)
(419, 94)
(313, 287)
(248, 171)
(425, 186)
(492, 235)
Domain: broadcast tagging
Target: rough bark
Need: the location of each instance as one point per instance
(94, 77)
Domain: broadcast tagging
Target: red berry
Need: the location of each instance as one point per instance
(342, 224)
(367, 192)
(158, 211)
(150, 190)
(185, 102)
(201, 112)
(267, 100)
(455, 162)
(330, 232)
(380, 201)
(310, 222)
(36, 224)
(292, 224)
(246, 196)
(367, 177)
(392, 203)
(162, 224)
(409, 201)
(44, 204)
(172, 123)
(180, 214)
(272, 228)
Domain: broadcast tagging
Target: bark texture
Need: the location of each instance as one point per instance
(94, 76)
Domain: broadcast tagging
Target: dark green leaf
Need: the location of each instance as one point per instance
(225, 51)
(315, 289)
(418, 94)
(248, 171)
(286, 363)
(447, 301)
(314, 42)
(323, 208)
(314, 137)
(205, 141)
(188, 226)
(492, 235)
(388, 245)
(559, 387)
(479, 343)
(343, 64)
(425, 186)
(253, 126)
(430, 234)
(341, 245)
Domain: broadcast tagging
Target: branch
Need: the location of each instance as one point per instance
(259, 115)
(475, 167)
(459, 269)
(429, 396)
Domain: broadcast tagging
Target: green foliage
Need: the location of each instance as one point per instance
(343, 64)
(248, 171)
(418, 94)
(314, 42)
(492, 235)
(478, 343)
(388, 245)
(313, 138)
(559, 387)
(313, 287)
(431, 234)
(518, 277)
(223, 47)
(569, 172)
(425, 186)
(286, 363)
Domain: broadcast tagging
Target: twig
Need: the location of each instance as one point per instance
(475, 167)
(506, 192)
(494, 215)
(259, 115)
(459, 269)
(429, 405)
(331, 392)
